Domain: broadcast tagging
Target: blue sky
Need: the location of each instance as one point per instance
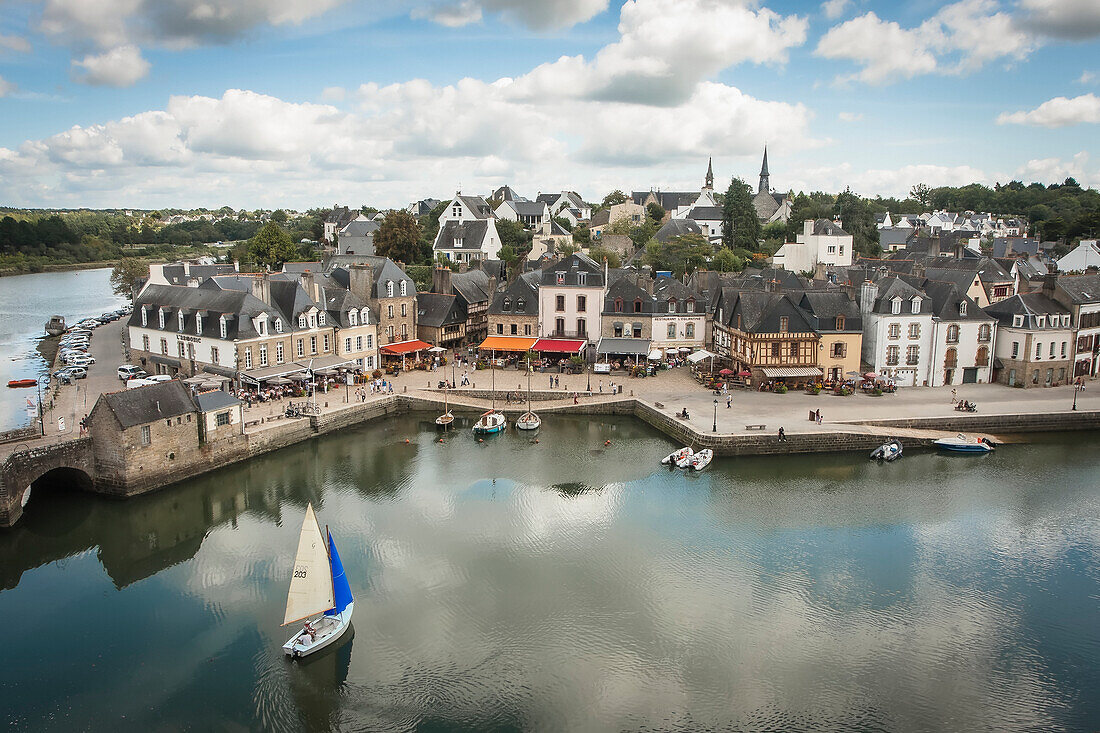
(299, 103)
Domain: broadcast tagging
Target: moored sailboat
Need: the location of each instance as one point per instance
(492, 421)
(444, 421)
(528, 420)
(318, 587)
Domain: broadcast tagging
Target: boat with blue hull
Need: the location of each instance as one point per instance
(962, 444)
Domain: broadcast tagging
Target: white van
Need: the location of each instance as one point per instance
(129, 371)
(137, 382)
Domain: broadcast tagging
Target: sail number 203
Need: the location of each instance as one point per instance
(299, 572)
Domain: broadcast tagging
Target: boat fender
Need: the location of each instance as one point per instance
(607, 442)
(480, 440)
(406, 441)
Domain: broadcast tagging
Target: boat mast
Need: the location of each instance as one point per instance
(493, 371)
(528, 382)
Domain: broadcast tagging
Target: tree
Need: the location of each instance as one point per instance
(279, 216)
(613, 199)
(681, 254)
(271, 246)
(599, 254)
(582, 235)
(740, 227)
(857, 219)
(922, 194)
(126, 275)
(656, 212)
(564, 223)
(398, 238)
(727, 261)
(512, 234)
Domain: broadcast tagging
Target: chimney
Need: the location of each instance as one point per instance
(463, 267)
(868, 294)
(441, 280)
(494, 283)
(1050, 280)
(261, 288)
(187, 268)
(808, 227)
(361, 281)
(312, 287)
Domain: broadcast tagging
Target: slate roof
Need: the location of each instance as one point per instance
(239, 305)
(472, 286)
(705, 213)
(423, 206)
(668, 200)
(506, 193)
(360, 228)
(961, 279)
(893, 236)
(471, 233)
(1028, 305)
(479, 206)
(760, 312)
(823, 308)
(626, 290)
(175, 275)
(829, 228)
(894, 287)
(298, 268)
(601, 218)
(384, 269)
(215, 400)
(667, 288)
(144, 405)
(570, 267)
(946, 297)
(529, 208)
(522, 296)
(436, 310)
(676, 228)
(1018, 245)
(1081, 288)
(557, 230)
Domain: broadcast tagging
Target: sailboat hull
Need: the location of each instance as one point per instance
(328, 629)
(528, 421)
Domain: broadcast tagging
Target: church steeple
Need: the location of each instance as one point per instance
(765, 183)
(709, 185)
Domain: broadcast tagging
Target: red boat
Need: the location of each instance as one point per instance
(22, 382)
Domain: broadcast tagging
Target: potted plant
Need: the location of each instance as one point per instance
(781, 389)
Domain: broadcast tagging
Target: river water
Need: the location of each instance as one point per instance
(26, 303)
(566, 585)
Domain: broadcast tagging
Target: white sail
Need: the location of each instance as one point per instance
(311, 581)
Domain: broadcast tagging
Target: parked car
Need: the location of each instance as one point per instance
(75, 372)
(82, 360)
(130, 371)
(138, 382)
(159, 378)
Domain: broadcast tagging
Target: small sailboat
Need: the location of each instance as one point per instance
(962, 444)
(675, 457)
(492, 421)
(528, 420)
(444, 421)
(318, 587)
(888, 451)
(701, 459)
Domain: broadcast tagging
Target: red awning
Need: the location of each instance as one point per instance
(560, 346)
(405, 347)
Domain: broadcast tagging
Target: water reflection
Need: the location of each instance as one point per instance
(574, 585)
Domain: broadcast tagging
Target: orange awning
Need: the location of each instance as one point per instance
(405, 347)
(560, 346)
(508, 343)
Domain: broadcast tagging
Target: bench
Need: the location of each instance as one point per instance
(756, 427)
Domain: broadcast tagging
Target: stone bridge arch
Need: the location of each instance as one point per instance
(72, 459)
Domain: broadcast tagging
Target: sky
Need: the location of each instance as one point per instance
(310, 103)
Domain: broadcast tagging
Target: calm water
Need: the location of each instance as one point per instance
(565, 586)
(26, 303)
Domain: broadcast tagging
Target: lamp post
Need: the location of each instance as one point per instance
(714, 429)
(1077, 387)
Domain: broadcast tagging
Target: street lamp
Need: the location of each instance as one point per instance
(1077, 387)
(714, 429)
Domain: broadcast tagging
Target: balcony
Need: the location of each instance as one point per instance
(561, 334)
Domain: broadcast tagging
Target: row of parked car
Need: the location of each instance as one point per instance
(72, 350)
(135, 376)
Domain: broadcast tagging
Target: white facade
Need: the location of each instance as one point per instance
(579, 306)
(963, 340)
(1085, 255)
(809, 249)
(183, 346)
(675, 330)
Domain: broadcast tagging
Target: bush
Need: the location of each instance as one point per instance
(877, 392)
(816, 389)
(781, 389)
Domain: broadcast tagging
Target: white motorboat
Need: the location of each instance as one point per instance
(528, 420)
(888, 451)
(685, 460)
(962, 444)
(318, 587)
(701, 459)
(674, 457)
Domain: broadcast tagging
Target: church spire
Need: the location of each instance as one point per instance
(709, 185)
(765, 184)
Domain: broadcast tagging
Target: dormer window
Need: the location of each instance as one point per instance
(278, 325)
(179, 320)
(507, 304)
(364, 316)
(223, 327)
(895, 305)
(784, 324)
(582, 278)
(1040, 321)
(404, 288)
(618, 305)
(690, 306)
(389, 288)
(302, 321)
(198, 324)
(313, 320)
(144, 316)
(637, 306)
(916, 305)
(321, 318)
(458, 241)
(353, 318)
(456, 211)
(1018, 321)
(962, 308)
(520, 304)
(672, 305)
(1065, 321)
(840, 323)
(561, 278)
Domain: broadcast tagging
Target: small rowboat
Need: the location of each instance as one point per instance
(528, 421)
(22, 383)
(445, 420)
(675, 457)
(701, 459)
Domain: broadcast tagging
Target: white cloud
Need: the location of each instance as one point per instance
(1056, 170)
(1057, 112)
(540, 15)
(884, 181)
(15, 43)
(119, 67)
(960, 38)
(1087, 77)
(6, 87)
(1069, 19)
(850, 116)
(452, 15)
(833, 9)
(333, 94)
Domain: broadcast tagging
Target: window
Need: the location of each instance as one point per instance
(982, 358)
(262, 323)
(559, 303)
(1051, 349)
(951, 359)
(618, 330)
(500, 329)
(1040, 321)
(313, 344)
(527, 329)
(582, 278)
(222, 418)
(364, 316)
(389, 311)
(160, 318)
(353, 317)
(582, 304)
(389, 288)
(561, 278)
(689, 330)
(559, 326)
(637, 306)
(840, 323)
(404, 287)
(300, 348)
(248, 358)
(618, 305)
(164, 346)
(301, 321)
(146, 436)
(321, 318)
(213, 354)
(984, 332)
(404, 309)
(198, 324)
(279, 352)
(1038, 350)
(894, 330)
(145, 317)
(507, 303)
(263, 355)
(278, 325)
(325, 343)
(1015, 349)
(839, 350)
(672, 330)
(775, 349)
(456, 211)
(179, 320)
(892, 355)
(1065, 321)
(582, 328)
(831, 249)
(358, 343)
(389, 333)
(181, 349)
(370, 341)
(514, 329)
(1018, 321)
(145, 342)
(916, 305)
(223, 327)
(895, 305)
(637, 332)
(912, 355)
(521, 304)
(672, 305)
(691, 306)
(962, 307)
(347, 345)
(784, 324)
(952, 334)
(404, 332)
(1064, 349)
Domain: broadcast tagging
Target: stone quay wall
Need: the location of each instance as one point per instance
(1041, 422)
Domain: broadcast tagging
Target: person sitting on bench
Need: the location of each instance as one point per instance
(684, 413)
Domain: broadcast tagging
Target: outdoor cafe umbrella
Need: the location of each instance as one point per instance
(437, 349)
(326, 372)
(726, 372)
(870, 375)
(211, 385)
(278, 381)
(298, 377)
(744, 373)
(194, 380)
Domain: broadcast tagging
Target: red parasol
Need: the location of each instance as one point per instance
(726, 372)
(744, 373)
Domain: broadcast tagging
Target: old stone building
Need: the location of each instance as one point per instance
(515, 308)
(385, 288)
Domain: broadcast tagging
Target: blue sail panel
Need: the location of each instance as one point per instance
(340, 587)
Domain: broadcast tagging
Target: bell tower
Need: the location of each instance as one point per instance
(765, 183)
(709, 184)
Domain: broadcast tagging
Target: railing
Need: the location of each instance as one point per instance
(556, 334)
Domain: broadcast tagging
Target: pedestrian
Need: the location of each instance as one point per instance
(576, 400)
(729, 401)
(551, 381)
(557, 381)
(601, 386)
(782, 436)
(954, 395)
(818, 414)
